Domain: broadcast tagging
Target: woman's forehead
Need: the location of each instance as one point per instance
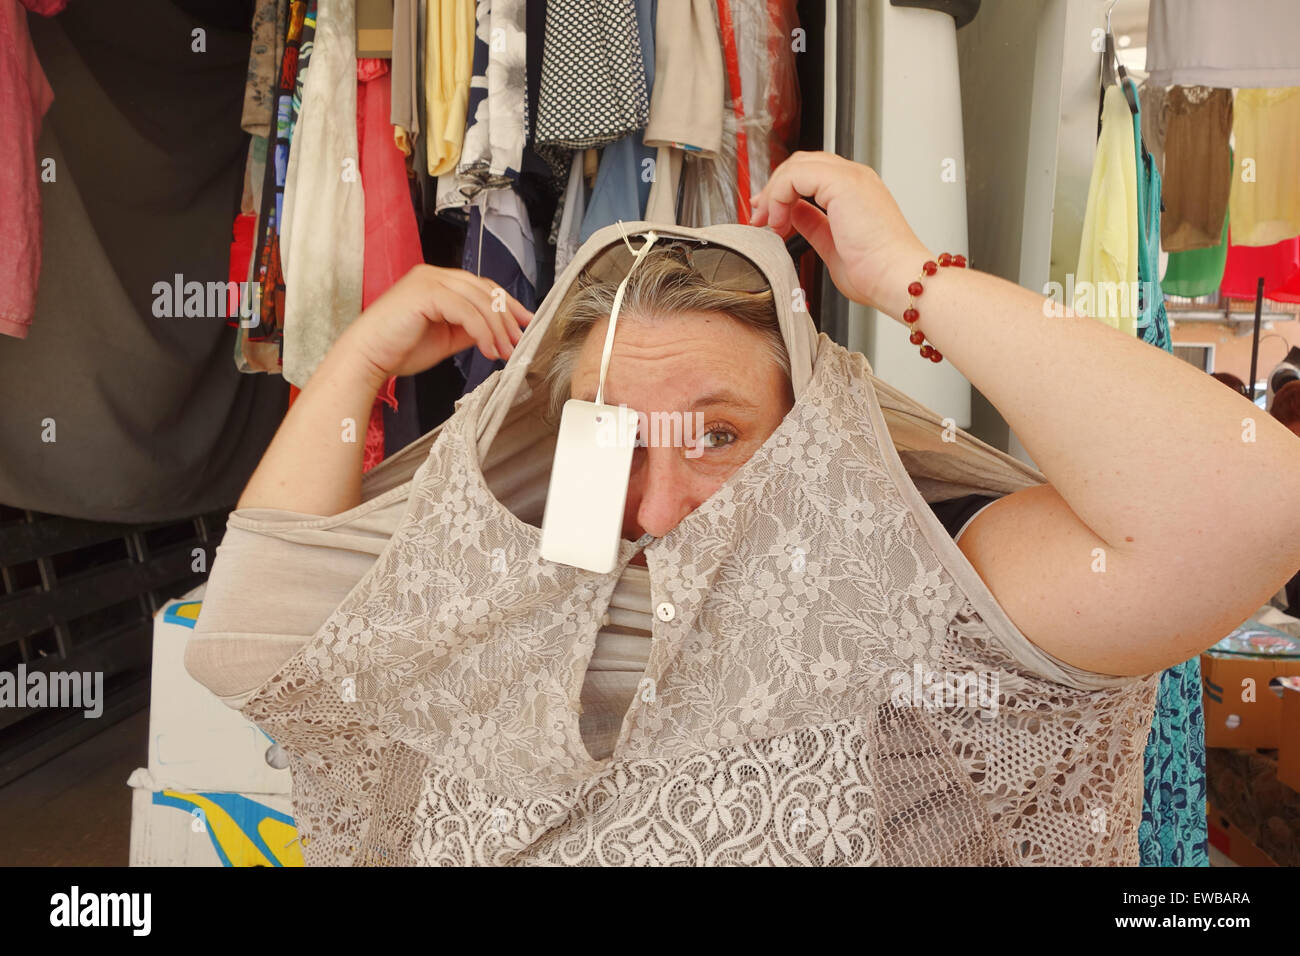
(696, 358)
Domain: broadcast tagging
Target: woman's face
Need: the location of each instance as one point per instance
(709, 371)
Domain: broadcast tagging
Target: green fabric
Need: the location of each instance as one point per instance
(1196, 272)
(1199, 271)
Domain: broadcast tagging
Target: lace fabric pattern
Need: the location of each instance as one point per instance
(1184, 99)
(432, 719)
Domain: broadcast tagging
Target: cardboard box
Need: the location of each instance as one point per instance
(196, 742)
(1241, 709)
(1288, 749)
(1232, 843)
(179, 828)
(374, 20)
(208, 797)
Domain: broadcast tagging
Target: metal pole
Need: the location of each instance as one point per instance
(1254, 347)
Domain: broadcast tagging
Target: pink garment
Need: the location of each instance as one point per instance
(25, 95)
(392, 236)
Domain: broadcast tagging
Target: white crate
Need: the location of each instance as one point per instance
(195, 741)
(171, 827)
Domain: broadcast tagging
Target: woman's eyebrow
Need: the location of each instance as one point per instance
(723, 397)
(720, 397)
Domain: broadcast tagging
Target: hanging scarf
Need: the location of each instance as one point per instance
(287, 102)
(593, 81)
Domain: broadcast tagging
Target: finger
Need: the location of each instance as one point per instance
(458, 339)
(784, 231)
(464, 284)
(489, 296)
(501, 327)
(460, 313)
(804, 174)
(800, 157)
(514, 306)
(815, 227)
(521, 314)
(458, 310)
(518, 315)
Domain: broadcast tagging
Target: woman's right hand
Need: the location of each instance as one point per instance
(432, 313)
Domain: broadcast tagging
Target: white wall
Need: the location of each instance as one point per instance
(1029, 109)
(1012, 98)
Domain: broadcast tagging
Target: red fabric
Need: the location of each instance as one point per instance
(1289, 292)
(374, 450)
(241, 254)
(25, 96)
(370, 68)
(783, 85)
(1279, 264)
(46, 8)
(392, 234)
(728, 29)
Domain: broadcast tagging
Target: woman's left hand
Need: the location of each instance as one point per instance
(866, 243)
(1101, 413)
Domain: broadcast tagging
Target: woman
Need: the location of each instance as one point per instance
(803, 597)
(1286, 409)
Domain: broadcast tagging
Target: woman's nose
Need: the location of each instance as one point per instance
(660, 490)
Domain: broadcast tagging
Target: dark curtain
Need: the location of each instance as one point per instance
(152, 419)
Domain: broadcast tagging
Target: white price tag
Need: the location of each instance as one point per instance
(583, 521)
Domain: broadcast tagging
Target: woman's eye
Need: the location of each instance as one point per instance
(717, 438)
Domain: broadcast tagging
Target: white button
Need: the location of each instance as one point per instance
(666, 611)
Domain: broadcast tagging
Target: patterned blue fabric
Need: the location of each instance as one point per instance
(1173, 831)
(487, 254)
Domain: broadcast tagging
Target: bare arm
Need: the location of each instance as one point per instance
(313, 465)
(1191, 493)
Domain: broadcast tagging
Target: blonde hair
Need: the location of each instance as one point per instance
(664, 283)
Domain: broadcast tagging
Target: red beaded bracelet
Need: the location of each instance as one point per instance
(914, 288)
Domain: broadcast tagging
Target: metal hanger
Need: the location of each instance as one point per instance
(1110, 66)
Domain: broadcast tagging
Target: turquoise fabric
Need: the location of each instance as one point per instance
(1173, 831)
(1152, 323)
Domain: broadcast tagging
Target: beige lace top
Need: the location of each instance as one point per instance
(255, 560)
(787, 713)
(236, 665)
